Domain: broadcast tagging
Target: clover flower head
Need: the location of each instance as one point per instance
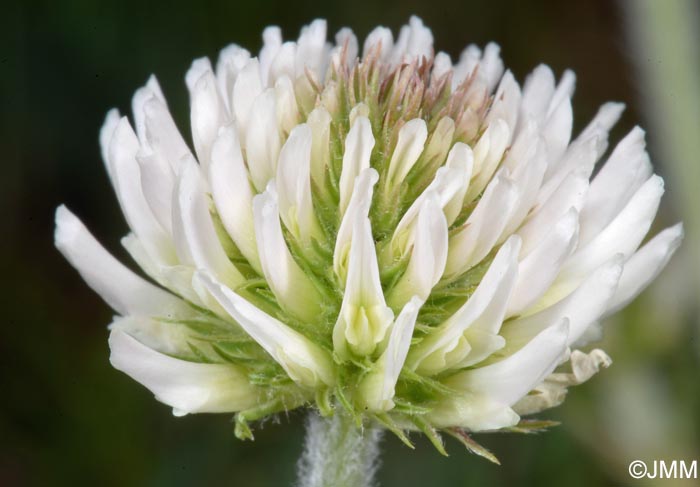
(412, 240)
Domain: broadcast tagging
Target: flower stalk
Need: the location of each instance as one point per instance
(339, 453)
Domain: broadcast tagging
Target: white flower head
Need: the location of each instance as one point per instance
(415, 241)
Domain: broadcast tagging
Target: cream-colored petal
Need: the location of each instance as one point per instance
(358, 149)
(294, 185)
(304, 361)
(187, 387)
(195, 236)
(507, 381)
(122, 289)
(364, 316)
(233, 193)
(377, 388)
(291, 286)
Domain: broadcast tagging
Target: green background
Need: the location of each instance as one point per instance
(68, 418)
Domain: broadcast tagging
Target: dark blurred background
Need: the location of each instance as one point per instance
(68, 418)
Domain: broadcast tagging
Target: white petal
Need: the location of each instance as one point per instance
(347, 45)
(558, 120)
(582, 307)
(528, 178)
(630, 163)
(305, 362)
(263, 140)
(359, 110)
(288, 115)
(506, 102)
(450, 184)
(110, 124)
(198, 68)
(377, 389)
(484, 309)
(468, 61)
(580, 157)
(382, 39)
(622, 236)
(246, 89)
(157, 183)
(195, 236)
(604, 120)
(233, 193)
(187, 387)
(312, 49)
(564, 91)
(491, 65)
(292, 288)
(364, 316)
(488, 153)
(570, 194)
(283, 63)
(157, 172)
(294, 185)
(537, 93)
(126, 176)
(162, 134)
(552, 391)
(438, 146)
(428, 257)
(232, 59)
(460, 164)
(272, 42)
(538, 270)
(207, 115)
(475, 239)
(526, 143)
(420, 39)
(176, 278)
(508, 380)
(358, 149)
(138, 101)
(358, 207)
(472, 412)
(643, 267)
(409, 147)
(482, 334)
(442, 65)
(482, 344)
(320, 122)
(165, 336)
(123, 290)
(491, 319)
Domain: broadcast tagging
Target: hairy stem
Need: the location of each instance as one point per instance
(337, 453)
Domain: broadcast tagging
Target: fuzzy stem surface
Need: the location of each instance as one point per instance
(338, 453)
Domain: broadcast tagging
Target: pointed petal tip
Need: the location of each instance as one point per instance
(65, 226)
(198, 68)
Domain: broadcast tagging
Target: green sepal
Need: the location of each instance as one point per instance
(426, 383)
(242, 429)
(471, 445)
(347, 405)
(199, 354)
(530, 426)
(386, 421)
(407, 407)
(240, 351)
(323, 402)
(432, 434)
